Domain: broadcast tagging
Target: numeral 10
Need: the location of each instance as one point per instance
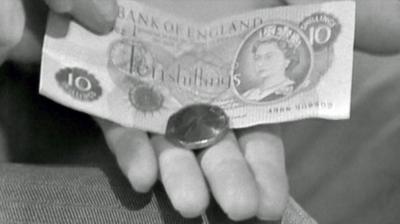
(80, 82)
(320, 34)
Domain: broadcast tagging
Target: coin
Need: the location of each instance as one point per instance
(197, 126)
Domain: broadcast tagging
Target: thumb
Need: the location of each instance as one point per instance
(375, 32)
(96, 15)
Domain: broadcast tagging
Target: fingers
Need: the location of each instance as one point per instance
(263, 149)
(134, 154)
(12, 22)
(97, 15)
(182, 178)
(230, 179)
(253, 185)
(375, 32)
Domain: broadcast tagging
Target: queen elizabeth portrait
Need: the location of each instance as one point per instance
(273, 63)
(271, 58)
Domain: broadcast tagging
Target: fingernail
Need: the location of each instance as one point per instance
(106, 13)
(97, 15)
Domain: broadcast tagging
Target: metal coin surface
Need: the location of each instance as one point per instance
(197, 126)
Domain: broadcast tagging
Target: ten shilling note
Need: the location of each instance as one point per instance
(264, 66)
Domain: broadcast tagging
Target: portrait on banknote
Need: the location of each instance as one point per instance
(272, 63)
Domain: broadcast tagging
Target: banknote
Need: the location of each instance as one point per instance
(264, 66)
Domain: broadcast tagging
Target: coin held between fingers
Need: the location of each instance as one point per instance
(197, 126)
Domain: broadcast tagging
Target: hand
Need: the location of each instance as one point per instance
(245, 172)
(22, 23)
